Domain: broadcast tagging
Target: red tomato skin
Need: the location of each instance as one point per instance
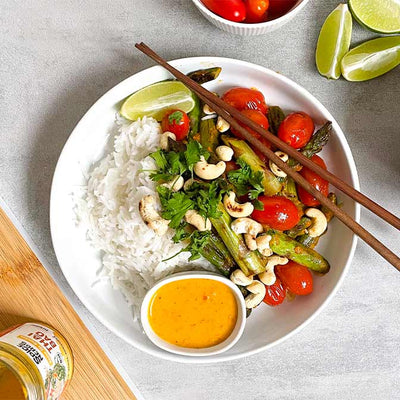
(277, 8)
(279, 213)
(275, 294)
(256, 11)
(256, 116)
(179, 128)
(316, 181)
(296, 129)
(297, 278)
(232, 10)
(246, 99)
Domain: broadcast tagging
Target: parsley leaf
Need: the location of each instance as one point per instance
(175, 205)
(193, 153)
(175, 117)
(197, 241)
(246, 181)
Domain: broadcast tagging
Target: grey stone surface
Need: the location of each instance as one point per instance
(57, 58)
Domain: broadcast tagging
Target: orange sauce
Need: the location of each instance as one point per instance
(193, 313)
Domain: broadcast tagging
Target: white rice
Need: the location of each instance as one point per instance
(131, 253)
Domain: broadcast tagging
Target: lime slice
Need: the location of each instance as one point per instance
(371, 59)
(381, 16)
(154, 100)
(334, 41)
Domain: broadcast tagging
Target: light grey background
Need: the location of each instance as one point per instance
(58, 57)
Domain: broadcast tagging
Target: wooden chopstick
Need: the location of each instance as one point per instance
(303, 160)
(231, 115)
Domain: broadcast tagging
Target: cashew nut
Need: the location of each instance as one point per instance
(207, 171)
(222, 125)
(224, 153)
(250, 241)
(239, 278)
(246, 225)
(175, 184)
(263, 245)
(268, 277)
(164, 139)
(257, 293)
(237, 210)
(150, 215)
(319, 222)
(274, 168)
(250, 228)
(192, 217)
(208, 110)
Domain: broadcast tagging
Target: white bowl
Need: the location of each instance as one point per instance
(209, 351)
(243, 29)
(80, 263)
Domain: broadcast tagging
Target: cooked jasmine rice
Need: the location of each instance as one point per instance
(131, 253)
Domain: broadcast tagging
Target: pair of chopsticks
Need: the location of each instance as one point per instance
(231, 115)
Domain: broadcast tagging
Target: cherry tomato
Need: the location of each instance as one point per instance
(246, 99)
(231, 166)
(275, 294)
(256, 10)
(279, 213)
(177, 122)
(233, 10)
(258, 118)
(277, 8)
(296, 129)
(297, 278)
(319, 183)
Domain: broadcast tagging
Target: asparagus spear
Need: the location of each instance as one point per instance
(194, 117)
(248, 261)
(286, 246)
(315, 145)
(218, 255)
(300, 228)
(242, 150)
(275, 117)
(313, 241)
(209, 135)
(205, 75)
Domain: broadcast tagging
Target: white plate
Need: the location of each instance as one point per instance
(80, 262)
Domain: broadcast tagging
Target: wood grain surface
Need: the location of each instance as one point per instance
(28, 293)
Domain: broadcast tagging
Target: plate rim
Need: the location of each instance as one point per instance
(219, 358)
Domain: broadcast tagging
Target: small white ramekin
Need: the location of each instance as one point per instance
(208, 351)
(243, 29)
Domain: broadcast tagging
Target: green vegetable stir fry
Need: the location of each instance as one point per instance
(229, 204)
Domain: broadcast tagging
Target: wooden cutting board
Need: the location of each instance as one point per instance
(28, 293)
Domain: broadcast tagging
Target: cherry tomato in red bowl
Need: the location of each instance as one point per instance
(296, 129)
(246, 99)
(232, 10)
(258, 22)
(279, 213)
(256, 11)
(297, 278)
(316, 181)
(177, 122)
(275, 294)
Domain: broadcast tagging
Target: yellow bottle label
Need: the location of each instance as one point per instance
(47, 350)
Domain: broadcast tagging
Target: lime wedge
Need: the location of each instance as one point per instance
(334, 41)
(381, 16)
(371, 59)
(154, 100)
